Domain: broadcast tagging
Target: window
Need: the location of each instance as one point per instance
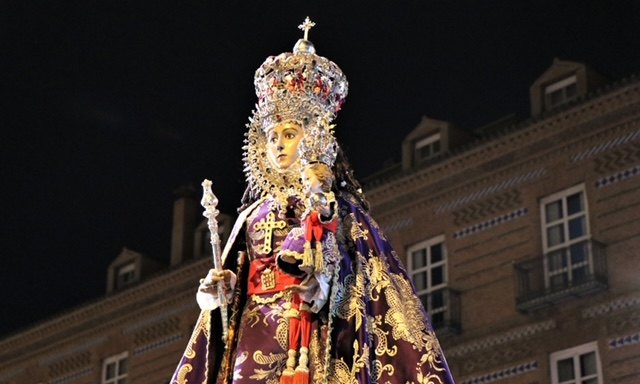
(579, 365)
(427, 148)
(125, 275)
(565, 236)
(115, 369)
(428, 269)
(561, 92)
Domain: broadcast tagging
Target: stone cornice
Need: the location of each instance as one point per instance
(518, 138)
(532, 141)
(168, 289)
(625, 90)
(515, 334)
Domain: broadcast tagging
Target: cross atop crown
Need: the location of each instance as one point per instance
(306, 25)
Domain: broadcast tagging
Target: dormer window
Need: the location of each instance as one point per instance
(561, 92)
(125, 275)
(130, 268)
(427, 148)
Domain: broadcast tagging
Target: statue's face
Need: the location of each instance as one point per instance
(282, 144)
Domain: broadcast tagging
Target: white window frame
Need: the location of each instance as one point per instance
(125, 269)
(426, 245)
(562, 195)
(575, 353)
(562, 85)
(427, 141)
(117, 359)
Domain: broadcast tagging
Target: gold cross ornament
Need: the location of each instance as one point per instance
(268, 224)
(306, 25)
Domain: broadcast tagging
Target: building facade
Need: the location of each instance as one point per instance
(525, 244)
(522, 241)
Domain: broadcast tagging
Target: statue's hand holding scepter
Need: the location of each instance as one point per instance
(209, 202)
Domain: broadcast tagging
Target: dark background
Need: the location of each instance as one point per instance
(108, 106)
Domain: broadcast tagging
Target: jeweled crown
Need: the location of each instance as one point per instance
(318, 146)
(299, 85)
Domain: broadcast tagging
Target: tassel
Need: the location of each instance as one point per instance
(319, 261)
(302, 370)
(307, 258)
(301, 378)
(288, 374)
(286, 378)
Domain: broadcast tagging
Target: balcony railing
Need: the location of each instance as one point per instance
(444, 308)
(576, 270)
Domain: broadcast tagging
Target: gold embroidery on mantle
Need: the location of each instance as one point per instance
(433, 352)
(182, 373)
(428, 378)
(316, 360)
(282, 331)
(341, 374)
(377, 369)
(252, 316)
(272, 358)
(273, 363)
(356, 229)
(201, 327)
(405, 313)
(378, 277)
(349, 298)
(381, 345)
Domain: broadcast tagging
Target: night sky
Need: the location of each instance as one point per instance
(109, 106)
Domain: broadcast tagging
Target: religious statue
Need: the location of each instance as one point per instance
(316, 294)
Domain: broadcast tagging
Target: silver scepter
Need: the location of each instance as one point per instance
(209, 202)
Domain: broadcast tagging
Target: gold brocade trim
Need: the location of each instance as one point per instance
(382, 345)
(405, 313)
(316, 360)
(378, 277)
(349, 298)
(294, 254)
(267, 376)
(202, 326)
(332, 303)
(273, 361)
(356, 229)
(378, 369)
(282, 333)
(182, 374)
(341, 374)
(272, 358)
(268, 300)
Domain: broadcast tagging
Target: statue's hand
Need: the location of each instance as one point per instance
(207, 296)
